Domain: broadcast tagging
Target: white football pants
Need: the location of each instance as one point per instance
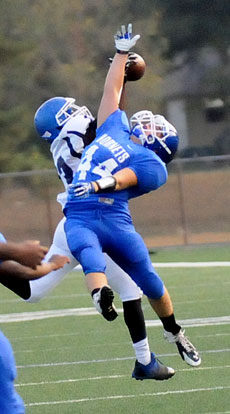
(119, 281)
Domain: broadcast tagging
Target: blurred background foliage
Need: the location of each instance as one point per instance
(50, 48)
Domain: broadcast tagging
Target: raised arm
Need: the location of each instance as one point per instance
(115, 76)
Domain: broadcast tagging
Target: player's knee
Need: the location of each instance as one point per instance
(92, 260)
(127, 296)
(153, 287)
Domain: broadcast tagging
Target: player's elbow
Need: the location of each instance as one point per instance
(160, 178)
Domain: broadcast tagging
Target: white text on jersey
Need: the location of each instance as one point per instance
(118, 151)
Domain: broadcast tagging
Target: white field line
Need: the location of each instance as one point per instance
(23, 338)
(114, 397)
(78, 268)
(114, 344)
(38, 315)
(30, 384)
(192, 264)
(50, 297)
(189, 323)
(213, 335)
(99, 361)
(30, 316)
(79, 295)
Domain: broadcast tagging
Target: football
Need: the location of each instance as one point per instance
(135, 67)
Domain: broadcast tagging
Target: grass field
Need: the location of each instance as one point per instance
(79, 363)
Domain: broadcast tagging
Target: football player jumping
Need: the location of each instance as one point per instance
(69, 128)
(123, 161)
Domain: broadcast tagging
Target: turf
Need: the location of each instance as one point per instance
(192, 253)
(83, 364)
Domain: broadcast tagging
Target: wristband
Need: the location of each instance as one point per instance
(106, 184)
(122, 52)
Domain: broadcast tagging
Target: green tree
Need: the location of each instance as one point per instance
(61, 48)
(191, 24)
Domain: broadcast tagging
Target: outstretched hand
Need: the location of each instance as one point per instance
(124, 40)
(59, 261)
(29, 253)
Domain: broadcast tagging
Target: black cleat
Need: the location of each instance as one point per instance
(103, 301)
(154, 370)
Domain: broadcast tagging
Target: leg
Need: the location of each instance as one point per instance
(19, 286)
(130, 295)
(102, 295)
(163, 306)
(95, 281)
(121, 282)
(10, 401)
(172, 331)
(135, 322)
(138, 264)
(41, 287)
(146, 366)
(88, 251)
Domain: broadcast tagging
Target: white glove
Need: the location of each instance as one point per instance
(124, 40)
(81, 190)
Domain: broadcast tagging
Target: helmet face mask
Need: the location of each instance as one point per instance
(70, 110)
(155, 133)
(54, 113)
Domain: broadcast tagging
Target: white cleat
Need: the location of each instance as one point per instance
(186, 349)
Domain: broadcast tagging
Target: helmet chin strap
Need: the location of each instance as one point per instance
(164, 146)
(142, 138)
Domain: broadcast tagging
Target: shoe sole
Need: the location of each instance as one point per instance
(190, 361)
(156, 379)
(183, 354)
(186, 358)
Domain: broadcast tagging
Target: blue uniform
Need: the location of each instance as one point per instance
(10, 401)
(103, 220)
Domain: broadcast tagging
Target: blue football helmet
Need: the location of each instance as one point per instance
(53, 114)
(155, 133)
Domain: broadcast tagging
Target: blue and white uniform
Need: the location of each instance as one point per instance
(66, 150)
(10, 400)
(104, 220)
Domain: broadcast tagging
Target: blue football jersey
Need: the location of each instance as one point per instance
(103, 220)
(113, 150)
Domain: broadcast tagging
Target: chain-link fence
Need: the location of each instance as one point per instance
(192, 208)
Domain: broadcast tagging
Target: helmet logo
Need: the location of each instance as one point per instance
(47, 134)
(53, 114)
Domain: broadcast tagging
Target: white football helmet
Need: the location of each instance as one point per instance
(155, 133)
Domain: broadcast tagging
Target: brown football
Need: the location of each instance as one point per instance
(135, 67)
